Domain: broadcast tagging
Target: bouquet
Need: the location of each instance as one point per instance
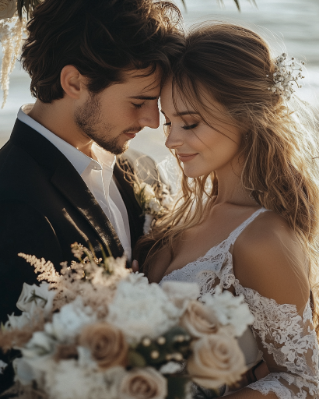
(95, 330)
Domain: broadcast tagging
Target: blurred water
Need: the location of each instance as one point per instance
(289, 25)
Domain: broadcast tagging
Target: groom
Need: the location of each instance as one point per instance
(96, 70)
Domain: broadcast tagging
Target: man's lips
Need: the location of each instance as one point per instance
(186, 157)
(130, 135)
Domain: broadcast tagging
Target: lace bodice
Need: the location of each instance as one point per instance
(285, 336)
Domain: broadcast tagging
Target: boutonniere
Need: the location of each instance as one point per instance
(155, 201)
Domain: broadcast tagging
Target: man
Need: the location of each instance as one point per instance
(96, 71)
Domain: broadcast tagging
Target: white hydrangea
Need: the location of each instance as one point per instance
(230, 310)
(181, 293)
(28, 369)
(66, 324)
(70, 381)
(140, 309)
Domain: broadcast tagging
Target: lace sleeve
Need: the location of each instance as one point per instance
(289, 345)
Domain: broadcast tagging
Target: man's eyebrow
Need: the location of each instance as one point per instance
(145, 97)
(182, 113)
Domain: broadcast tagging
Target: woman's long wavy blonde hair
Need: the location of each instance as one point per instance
(234, 66)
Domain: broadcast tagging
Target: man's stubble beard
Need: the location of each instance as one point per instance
(87, 118)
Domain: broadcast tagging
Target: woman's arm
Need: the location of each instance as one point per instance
(271, 267)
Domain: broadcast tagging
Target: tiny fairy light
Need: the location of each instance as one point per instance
(287, 73)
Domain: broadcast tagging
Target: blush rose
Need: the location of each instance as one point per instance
(145, 383)
(216, 360)
(107, 345)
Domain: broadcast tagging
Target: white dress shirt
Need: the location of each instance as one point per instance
(97, 174)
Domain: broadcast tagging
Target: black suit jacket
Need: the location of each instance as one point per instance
(45, 206)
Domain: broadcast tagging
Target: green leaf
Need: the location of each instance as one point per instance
(136, 359)
(177, 387)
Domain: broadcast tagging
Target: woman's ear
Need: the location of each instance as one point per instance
(72, 81)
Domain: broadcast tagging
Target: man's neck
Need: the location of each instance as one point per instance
(58, 118)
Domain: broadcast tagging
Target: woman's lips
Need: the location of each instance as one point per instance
(186, 157)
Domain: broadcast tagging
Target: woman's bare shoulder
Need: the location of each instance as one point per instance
(269, 258)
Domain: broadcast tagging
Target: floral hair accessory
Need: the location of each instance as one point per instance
(286, 74)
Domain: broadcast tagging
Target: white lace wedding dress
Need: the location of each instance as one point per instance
(282, 336)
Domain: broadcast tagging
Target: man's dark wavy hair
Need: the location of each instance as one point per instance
(101, 38)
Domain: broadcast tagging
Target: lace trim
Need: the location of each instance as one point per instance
(216, 254)
(285, 335)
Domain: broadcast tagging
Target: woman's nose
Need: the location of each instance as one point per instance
(174, 139)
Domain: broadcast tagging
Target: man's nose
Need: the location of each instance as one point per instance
(150, 117)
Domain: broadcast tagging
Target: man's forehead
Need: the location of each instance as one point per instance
(143, 82)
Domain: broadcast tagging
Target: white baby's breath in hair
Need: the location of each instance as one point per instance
(287, 73)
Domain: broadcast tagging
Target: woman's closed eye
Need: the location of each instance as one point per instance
(185, 127)
(138, 105)
(190, 127)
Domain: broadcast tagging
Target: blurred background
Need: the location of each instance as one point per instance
(290, 26)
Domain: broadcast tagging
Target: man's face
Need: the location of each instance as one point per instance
(114, 116)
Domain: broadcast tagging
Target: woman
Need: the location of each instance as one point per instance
(247, 220)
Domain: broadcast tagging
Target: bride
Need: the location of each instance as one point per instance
(247, 220)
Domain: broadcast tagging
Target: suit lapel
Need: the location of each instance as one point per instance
(75, 190)
(67, 180)
(134, 211)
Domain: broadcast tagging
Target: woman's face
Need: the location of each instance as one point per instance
(200, 148)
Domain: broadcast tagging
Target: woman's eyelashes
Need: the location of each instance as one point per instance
(185, 127)
(190, 127)
(138, 105)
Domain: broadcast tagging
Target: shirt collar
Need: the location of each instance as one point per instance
(79, 160)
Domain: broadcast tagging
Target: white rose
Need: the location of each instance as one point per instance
(7, 8)
(181, 293)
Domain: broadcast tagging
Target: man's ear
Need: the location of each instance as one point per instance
(72, 81)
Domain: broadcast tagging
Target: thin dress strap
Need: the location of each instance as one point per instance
(235, 234)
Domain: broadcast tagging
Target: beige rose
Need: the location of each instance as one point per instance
(216, 360)
(198, 320)
(7, 8)
(106, 343)
(144, 383)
